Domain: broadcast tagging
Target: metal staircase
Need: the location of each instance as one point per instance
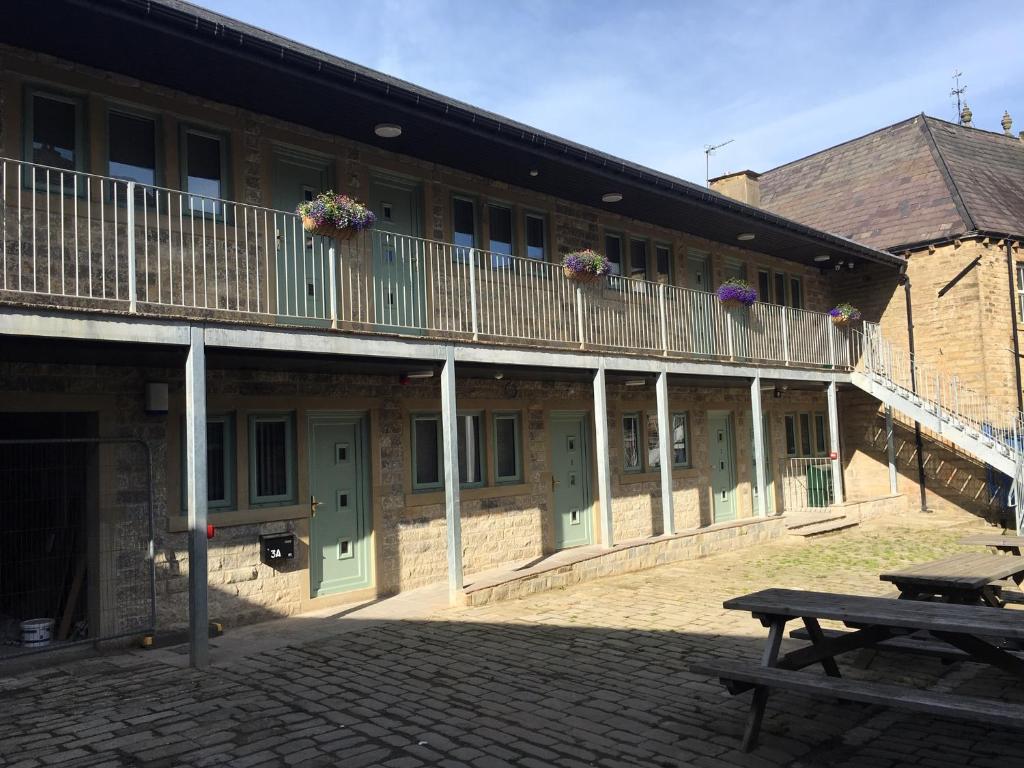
(941, 404)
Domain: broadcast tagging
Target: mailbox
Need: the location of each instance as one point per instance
(277, 549)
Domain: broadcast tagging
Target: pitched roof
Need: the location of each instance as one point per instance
(920, 180)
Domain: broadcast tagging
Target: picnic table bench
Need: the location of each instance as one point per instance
(970, 578)
(967, 630)
(1002, 543)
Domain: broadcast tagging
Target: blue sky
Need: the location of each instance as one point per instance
(655, 82)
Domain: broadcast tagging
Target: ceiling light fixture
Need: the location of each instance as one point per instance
(428, 374)
(611, 197)
(388, 130)
(499, 376)
(745, 236)
(534, 172)
(635, 382)
(822, 257)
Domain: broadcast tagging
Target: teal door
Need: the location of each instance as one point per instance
(723, 465)
(399, 291)
(570, 479)
(339, 536)
(303, 275)
(768, 478)
(697, 273)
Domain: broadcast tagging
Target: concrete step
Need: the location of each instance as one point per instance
(797, 520)
(824, 529)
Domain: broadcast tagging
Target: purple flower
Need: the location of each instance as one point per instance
(585, 262)
(737, 290)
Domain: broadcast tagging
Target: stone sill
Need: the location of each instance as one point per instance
(227, 518)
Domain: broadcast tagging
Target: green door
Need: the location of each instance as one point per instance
(399, 292)
(723, 465)
(339, 539)
(738, 318)
(768, 479)
(570, 478)
(303, 274)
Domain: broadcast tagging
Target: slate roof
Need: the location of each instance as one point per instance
(920, 180)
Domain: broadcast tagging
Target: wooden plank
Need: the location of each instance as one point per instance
(867, 611)
(968, 571)
(916, 644)
(1004, 542)
(992, 712)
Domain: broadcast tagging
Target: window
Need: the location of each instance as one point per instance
(426, 452)
(764, 285)
(499, 220)
(638, 259)
(790, 434)
(54, 136)
(220, 462)
(463, 227)
(820, 434)
(131, 151)
(779, 296)
(734, 269)
(272, 458)
(680, 440)
(631, 460)
(663, 260)
(205, 171)
(535, 237)
(471, 451)
(805, 434)
(613, 251)
(507, 462)
(653, 442)
(796, 293)
(1020, 289)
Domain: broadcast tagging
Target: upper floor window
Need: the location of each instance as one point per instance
(54, 137)
(499, 220)
(463, 227)
(796, 293)
(131, 150)
(638, 259)
(205, 170)
(613, 251)
(536, 240)
(663, 260)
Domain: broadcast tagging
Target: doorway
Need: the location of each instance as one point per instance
(399, 285)
(339, 484)
(723, 465)
(570, 479)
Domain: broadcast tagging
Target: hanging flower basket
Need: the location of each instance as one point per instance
(336, 216)
(844, 314)
(736, 293)
(585, 266)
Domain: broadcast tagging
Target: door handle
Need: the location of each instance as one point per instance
(554, 482)
(313, 504)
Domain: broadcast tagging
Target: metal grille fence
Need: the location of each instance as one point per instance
(76, 543)
(807, 484)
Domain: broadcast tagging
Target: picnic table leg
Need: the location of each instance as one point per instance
(990, 597)
(818, 637)
(760, 700)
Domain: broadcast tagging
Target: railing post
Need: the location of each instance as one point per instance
(831, 343)
(785, 334)
(130, 212)
(728, 331)
(664, 319)
(332, 260)
(580, 328)
(472, 294)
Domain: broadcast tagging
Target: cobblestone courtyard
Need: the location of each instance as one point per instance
(596, 675)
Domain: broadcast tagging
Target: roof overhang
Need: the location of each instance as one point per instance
(180, 46)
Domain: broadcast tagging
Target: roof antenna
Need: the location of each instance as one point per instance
(708, 151)
(958, 92)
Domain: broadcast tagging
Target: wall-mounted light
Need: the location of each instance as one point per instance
(745, 236)
(405, 378)
(499, 376)
(635, 382)
(534, 172)
(388, 130)
(822, 258)
(611, 197)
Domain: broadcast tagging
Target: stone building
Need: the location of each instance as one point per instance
(430, 400)
(950, 199)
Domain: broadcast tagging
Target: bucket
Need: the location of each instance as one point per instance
(35, 633)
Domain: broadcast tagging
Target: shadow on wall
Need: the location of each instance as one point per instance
(445, 690)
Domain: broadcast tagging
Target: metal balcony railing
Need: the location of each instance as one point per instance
(78, 240)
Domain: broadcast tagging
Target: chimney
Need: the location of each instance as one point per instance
(965, 117)
(742, 186)
(1007, 123)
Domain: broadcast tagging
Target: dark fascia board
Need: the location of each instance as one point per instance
(179, 17)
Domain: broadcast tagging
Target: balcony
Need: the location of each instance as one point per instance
(72, 241)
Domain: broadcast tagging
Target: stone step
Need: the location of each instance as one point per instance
(824, 529)
(800, 520)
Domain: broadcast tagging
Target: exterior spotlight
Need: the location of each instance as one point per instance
(388, 130)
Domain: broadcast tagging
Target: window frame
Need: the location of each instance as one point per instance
(461, 253)
(230, 501)
(78, 102)
(158, 169)
(417, 486)
(543, 219)
(633, 275)
(667, 247)
(1020, 289)
(820, 425)
(638, 418)
(794, 302)
(224, 139)
(517, 437)
(480, 448)
(291, 485)
(622, 265)
(685, 416)
(791, 426)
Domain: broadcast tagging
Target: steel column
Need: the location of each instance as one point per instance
(195, 431)
(890, 441)
(665, 439)
(452, 510)
(604, 470)
(761, 476)
(833, 430)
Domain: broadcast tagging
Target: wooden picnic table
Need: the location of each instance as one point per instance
(1001, 543)
(965, 631)
(970, 578)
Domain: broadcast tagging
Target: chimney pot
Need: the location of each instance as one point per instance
(966, 116)
(1007, 123)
